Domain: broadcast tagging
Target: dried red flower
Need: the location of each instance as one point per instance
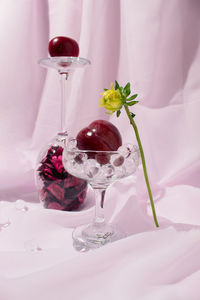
(60, 189)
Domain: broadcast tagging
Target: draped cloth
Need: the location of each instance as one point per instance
(155, 46)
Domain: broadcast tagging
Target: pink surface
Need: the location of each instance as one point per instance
(155, 46)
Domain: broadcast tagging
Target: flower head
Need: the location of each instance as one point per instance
(51, 167)
(112, 100)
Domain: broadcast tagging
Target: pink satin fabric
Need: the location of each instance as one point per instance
(155, 46)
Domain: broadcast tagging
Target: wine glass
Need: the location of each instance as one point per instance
(99, 169)
(50, 176)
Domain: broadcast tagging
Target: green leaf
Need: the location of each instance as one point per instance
(121, 91)
(118, 113)
(105, 89)
(132, 115)
(132, 97)
(123, 94)
(116, 85)
(132, 103)
(127, 89)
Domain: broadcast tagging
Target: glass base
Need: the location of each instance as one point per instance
(94, 236)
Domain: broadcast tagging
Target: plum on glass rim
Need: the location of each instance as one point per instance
(100, 135)
(63, 46)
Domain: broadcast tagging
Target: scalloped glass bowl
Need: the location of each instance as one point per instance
(99, 169)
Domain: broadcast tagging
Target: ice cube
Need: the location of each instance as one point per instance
(130, 166)
(135, 155)
(125, 150)
(107, 171)
(32, 246)
(74, 167)
(21, 205)
(120, 172)
(80, 158)
(71, 144)
(117, 160)
(91, 168)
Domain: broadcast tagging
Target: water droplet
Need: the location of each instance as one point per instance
(32, 246)
(21, 205)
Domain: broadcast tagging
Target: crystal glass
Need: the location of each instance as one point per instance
(57, 188)
(99, 169)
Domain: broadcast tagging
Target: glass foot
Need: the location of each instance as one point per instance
(93, 236)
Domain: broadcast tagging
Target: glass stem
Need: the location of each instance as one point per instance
(99, 206)
(63, 80)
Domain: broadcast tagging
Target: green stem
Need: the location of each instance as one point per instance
(143, 163)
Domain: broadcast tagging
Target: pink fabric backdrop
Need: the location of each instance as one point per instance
(155, 45)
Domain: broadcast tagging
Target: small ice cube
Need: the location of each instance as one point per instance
(73, 167)
(108, 171)
(32, 246)
(135, 155)
(80, 158)
(117, 160)
(4, 221)
(91, 168)
(120, 172)
(71, 144)
(21, 205)
(130, 166)
(68, 155)
(125, 150)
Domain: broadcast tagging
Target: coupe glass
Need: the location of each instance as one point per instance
(99, 169)
(52, 180)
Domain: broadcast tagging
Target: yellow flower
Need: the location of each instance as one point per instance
(112, 100)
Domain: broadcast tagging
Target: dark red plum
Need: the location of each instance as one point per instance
(100, 135)
(63, 46)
